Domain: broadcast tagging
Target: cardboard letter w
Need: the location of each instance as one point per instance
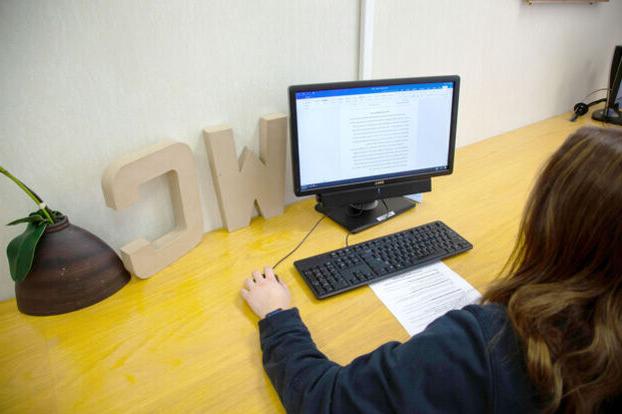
(239, 183)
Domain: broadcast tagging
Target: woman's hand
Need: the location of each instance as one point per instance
(265, 293)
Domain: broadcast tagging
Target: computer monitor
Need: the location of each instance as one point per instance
(354, 143)
(611, 113)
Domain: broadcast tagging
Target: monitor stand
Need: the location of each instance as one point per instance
(358, 217)
(608, 115)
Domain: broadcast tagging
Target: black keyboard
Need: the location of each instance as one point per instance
(344, 269)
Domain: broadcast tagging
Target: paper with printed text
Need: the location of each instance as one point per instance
(418, 297)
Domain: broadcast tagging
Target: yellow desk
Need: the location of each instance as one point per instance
(184, 341)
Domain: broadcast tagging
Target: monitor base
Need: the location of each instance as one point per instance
(611, 116)
(356, 220)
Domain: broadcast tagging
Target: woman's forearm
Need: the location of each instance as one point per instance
(302, 376)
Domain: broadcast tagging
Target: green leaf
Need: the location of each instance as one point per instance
(33, 218)
(21, 250)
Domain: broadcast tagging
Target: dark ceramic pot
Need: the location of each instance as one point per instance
(72, 269)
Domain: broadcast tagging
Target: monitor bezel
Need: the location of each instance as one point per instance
(292, 90)
(615, 78)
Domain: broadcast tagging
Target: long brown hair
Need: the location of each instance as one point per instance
(562, 285)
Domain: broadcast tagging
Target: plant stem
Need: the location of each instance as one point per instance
(36, 199)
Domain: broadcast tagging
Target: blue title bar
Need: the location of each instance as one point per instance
(372, 89)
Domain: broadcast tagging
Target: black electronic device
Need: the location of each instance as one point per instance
(582, 108)
(344, 269)
(611, 112)
(354, 143)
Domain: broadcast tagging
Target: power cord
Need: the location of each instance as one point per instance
(299, 244)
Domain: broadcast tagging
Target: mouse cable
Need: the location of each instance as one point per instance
(299, 244)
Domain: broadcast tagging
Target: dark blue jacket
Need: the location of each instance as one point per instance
(466, 361)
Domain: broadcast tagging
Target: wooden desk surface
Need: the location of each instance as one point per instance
(184, 341)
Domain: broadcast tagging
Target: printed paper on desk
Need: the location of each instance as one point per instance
(418, 297)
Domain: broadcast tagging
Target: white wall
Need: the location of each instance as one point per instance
(518, 63)
(85, 82)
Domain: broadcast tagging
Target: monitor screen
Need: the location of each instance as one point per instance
(348, 134)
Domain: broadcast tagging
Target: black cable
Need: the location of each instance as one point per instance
(386, 214)
(359, 212)
(583, 101)
(299, 244)
(594, 91)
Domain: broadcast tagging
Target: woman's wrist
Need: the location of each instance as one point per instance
(273, 312)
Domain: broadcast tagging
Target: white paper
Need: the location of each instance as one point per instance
(418, 297)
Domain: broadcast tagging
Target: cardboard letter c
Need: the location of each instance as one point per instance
(120, 184)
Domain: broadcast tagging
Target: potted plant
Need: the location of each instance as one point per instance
(59, 267)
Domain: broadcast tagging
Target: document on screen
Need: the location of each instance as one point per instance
(418, 297)
(378, 140)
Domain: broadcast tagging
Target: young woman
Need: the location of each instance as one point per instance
(547, 337)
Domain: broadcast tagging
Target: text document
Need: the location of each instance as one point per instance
(418, 297)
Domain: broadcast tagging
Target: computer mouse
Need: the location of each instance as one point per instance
(275, 276)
